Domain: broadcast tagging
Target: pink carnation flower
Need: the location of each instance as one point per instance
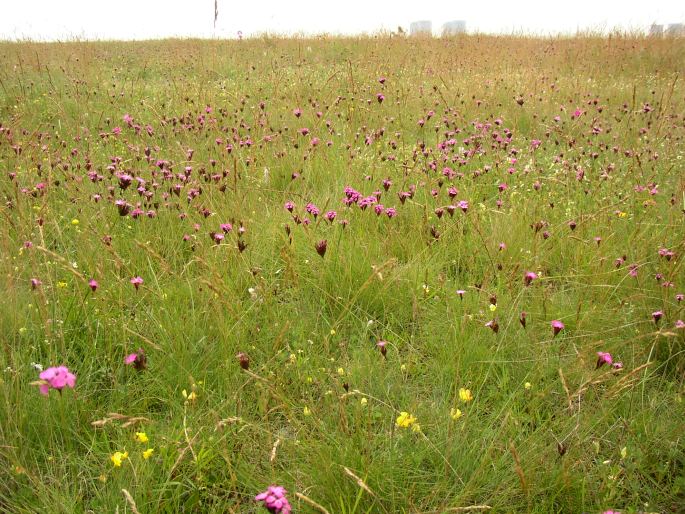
(274, 500)
(56, 378)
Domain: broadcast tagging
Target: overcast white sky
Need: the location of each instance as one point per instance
(144, 19)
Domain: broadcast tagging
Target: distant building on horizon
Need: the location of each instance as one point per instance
(656, 30)
(454, 27)
(421, 28)
(675, 30)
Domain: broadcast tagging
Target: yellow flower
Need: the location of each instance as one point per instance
(74, 222)
(455, 414)
(341, 371)
(190, 397)
(493, 307)
(527, 385)
(465, 395)
(62, 285)
(363, 401)
(117, 458)
(141, 437)
(306, 411)
(148, 453)
(405, 420)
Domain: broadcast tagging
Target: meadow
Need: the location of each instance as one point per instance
(388, 275)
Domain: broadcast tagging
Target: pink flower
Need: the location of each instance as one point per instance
(382, 346)
(461, 293)
(529, 277)
(56, 378)
(321, 247)
(137, 282)
(657, 315)
(274, 500)
(493, 325)
(93, 284)
(138, 360)
(604, 358)
(35, 283)
(312, 209)
(557, 326)
(680, 324)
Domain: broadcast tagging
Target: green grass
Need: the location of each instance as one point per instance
(545, 431)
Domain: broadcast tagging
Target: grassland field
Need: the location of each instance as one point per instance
(391, 275)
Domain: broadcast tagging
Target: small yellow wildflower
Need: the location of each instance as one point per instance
(527, 385)
(332, 331)
(148, 453)
(117, 458)
(455, 414)
(74, 222)
(190, 397)
(341, 371)
(493, 307)
(62, 285)
(465, 395)
(363, 401)
(141, 437)
(306, 411)
(405, 420)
